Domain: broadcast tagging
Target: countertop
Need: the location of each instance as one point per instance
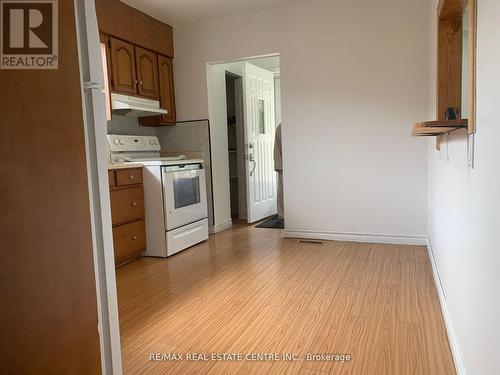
(124, 165)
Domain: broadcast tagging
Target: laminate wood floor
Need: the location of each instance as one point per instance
(248, 290)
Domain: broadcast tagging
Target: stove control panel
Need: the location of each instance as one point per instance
(124, 143)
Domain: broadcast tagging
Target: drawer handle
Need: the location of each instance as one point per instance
(134, 237)
(131, 177)
(133, 204)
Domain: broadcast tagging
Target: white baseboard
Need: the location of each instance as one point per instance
(220, 227)
(457, 358)
(357, 237)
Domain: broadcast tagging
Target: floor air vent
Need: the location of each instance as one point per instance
(316, 242)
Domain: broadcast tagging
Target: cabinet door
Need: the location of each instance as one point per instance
(129, 240)
(147, 73)
(123, 67)
(167, 100)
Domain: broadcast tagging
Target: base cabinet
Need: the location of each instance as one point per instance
(127, 213)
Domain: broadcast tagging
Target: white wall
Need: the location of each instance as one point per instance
(464, 214)
(354, 77)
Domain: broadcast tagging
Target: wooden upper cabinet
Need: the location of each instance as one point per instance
(124, 78)
(147, 73)
(114, 17)
(167, 99)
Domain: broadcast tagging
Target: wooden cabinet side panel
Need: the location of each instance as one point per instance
(167, 95)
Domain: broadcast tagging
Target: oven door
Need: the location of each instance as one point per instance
(184, 194)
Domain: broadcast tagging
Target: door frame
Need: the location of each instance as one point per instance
(240, 141)
(96, 149)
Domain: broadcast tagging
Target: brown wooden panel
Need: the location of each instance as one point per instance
(472, 52)
(125, 177)
(450, 8)
(449, 66)
(167, 98)
(49, 309)
(118, 19)
(111, 179)
(127, 205)
(146, 63)
(123, 76)
(129, 240)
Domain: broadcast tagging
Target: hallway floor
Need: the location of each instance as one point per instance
(248, 290)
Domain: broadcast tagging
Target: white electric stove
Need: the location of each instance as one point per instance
(175, 198)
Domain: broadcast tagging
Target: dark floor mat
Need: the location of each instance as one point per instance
(272, 222)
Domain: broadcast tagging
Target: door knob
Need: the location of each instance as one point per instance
(251, 158)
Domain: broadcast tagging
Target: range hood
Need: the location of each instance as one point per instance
(135, 107)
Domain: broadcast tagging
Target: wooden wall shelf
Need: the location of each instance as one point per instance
(432, 128)
(456, 69)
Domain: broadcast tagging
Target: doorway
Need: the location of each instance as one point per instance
(236, 144)
(243, 112)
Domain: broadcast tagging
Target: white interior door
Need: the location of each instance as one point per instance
(259, 142)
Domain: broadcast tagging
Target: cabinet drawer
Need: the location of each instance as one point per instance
(128, 176)
(111, 178)
(127, 205)
(129, 240)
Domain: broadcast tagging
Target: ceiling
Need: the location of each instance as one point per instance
(271, 63)
(176, 12)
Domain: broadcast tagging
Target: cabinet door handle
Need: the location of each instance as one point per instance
(131, 177)
(134, 237)
(133, 204)
(135, 81)
(140, 83)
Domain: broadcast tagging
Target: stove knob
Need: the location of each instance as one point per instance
(115, 141)
(151, 142)
(121, 142)
(156, 141)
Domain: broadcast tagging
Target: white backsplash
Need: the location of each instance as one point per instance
(128, 126)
